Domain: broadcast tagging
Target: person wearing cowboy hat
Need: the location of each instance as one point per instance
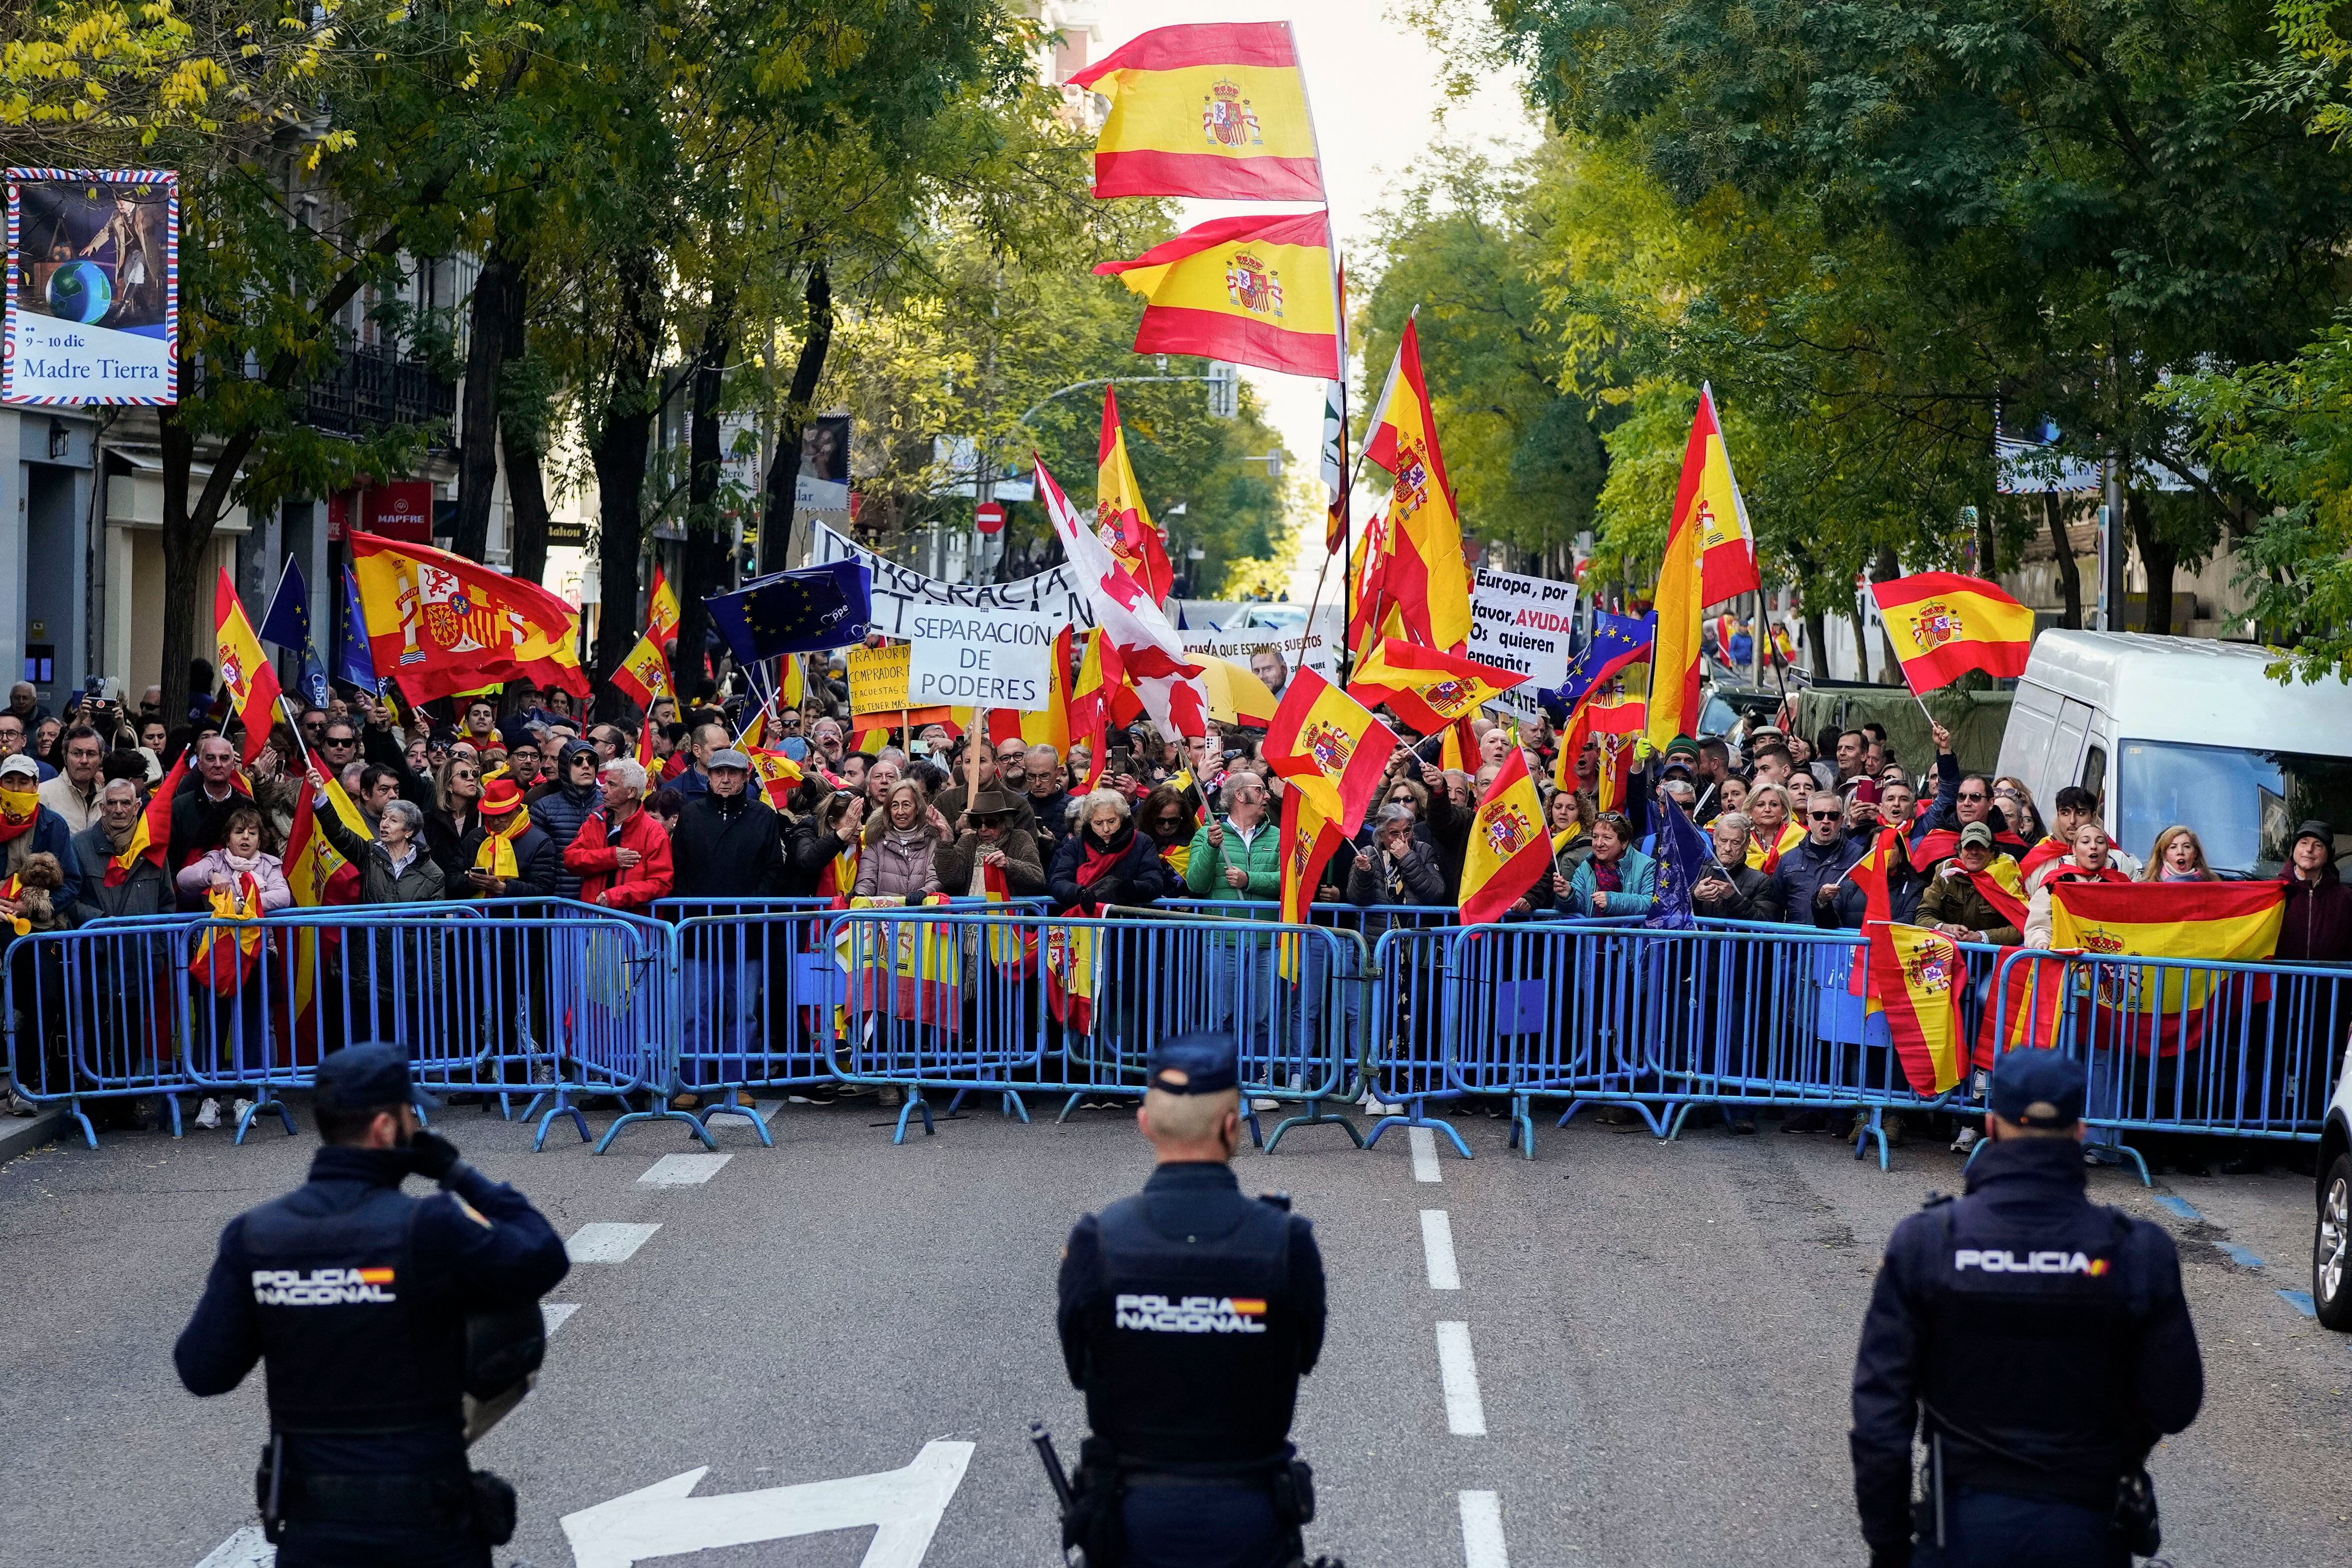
(507, 855)
(992, 841)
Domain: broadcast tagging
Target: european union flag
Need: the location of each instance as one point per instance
(1617, 641)
(287, 625)
(1681, 851)
(356, 661)
(821, 607)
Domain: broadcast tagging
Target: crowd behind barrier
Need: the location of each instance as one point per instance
(543, 1009)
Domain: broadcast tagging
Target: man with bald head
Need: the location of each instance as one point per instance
(703, 742)
(1046, 787)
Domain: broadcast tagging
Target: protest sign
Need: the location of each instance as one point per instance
(971, 658)
(1522, 625)
(877, 678)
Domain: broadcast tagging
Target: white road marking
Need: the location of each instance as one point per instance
(683, 1170)
(1457, 1369)
(553, 1315)
(1437, 1246)
(1482, 1531)
(249, 1548)
(665, 1519)
(1423, 1144)
(607, 1241)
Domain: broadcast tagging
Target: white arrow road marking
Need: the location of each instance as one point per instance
(665, 1520)
(1457, 1371)
(1424, 1144)
(249, 1548)
(1482, 1531)
(553, 1315)
(682, 1169)
(608, 1241)
(1437, 1247)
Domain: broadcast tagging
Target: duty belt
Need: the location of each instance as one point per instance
(431, 1502)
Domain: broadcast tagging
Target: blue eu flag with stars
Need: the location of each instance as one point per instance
(1616, 641)
(808, 611)
(1681, 851)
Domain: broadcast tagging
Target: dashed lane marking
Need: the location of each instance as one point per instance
(553, 1315)
(1424, 1144)
(1458, 1372)
(2301, 1301)
(608, 1241)
(2179, 1206)
(1482, 1531)
(683, 1170)
(2243, 1256)
(1437, 1247)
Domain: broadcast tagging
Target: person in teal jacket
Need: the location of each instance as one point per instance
(1240, 858)
(1617, 879)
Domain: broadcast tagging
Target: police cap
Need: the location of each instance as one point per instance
(1198, 1062)
(2038, 1089)
(359, 1077)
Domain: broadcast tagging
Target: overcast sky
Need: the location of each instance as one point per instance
(1375, 96)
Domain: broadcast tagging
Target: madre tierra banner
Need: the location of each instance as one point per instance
(92, 309)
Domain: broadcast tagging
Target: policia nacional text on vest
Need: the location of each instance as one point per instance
(2040, 1345)
(377, 1315)
(1188, 1314)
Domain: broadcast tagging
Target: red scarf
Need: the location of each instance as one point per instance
(1098, 863)
(2073, 873)
(2040, 855)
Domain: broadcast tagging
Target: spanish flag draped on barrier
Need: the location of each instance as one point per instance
(1427, 688)
(246, 672)
(910, 970)
(1014, 952)
(1255, 290)
(1916, 973)
(441, 625)
(1711, 554)
(2213, 922)
(1508, 849)
(1329, 747)
(1422, 574)
(1941, 626)
(318, 875)
(1214, 109)
(1120, 516)
(224, 958)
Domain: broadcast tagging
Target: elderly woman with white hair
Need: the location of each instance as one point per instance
(396, 866)
(1106, 861)
(621, 855)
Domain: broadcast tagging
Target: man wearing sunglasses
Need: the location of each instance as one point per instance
(1961, 799)
(1811, 875)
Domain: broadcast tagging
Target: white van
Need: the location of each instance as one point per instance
(2182, 730)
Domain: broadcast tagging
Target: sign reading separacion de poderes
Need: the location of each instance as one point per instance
(93, 288)
(901, 592)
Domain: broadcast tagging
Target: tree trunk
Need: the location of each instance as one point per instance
(784, 467)
(496, 298)
(2070, 575)
(704, 558)
(2158, 555)
(1988, 545)
(1817, 639)
(526, 494)
(185, 541)
(619, 457)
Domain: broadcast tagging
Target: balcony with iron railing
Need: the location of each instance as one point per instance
(372, 388)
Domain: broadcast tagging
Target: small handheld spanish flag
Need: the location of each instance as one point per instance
(1330, 747)
(1942, 624)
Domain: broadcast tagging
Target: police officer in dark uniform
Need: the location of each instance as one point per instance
(358, 1297)
(2039, 1344)
(1188, 1315)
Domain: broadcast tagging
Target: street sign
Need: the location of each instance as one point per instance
(990, 516)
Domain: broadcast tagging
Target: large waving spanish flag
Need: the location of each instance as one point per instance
(1681, 594)
(1916, 973)
(1942, 624)
(245, 669)
(1424, 575)
(1121, 517)
(1330, 747)
(1727, 541)
(440, 624)
(1214, 109)
(1425, 688)
(1255, 290)
(2234, 922)
(1508, 850)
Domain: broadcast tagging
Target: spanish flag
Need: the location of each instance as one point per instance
(1214, 109)
(1424, 575)
(1942, 624)
(1727, 541)
(1508, 850)
(1121, 517)
(2235, 922)
(1871, 874)
(1916, 974)
(317, 875)
(1099, 675)
(441, 624)
(1330, 747)
(1426, 689)
(645, 674)
(245, 670)
(661, 609)
(1309, 839)
(1255, 290)
(1711, 554)
(151, 836)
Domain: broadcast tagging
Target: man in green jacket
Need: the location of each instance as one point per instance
(1236, 859)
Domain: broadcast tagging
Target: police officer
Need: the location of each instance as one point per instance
(2039, 1343)
(356, 1296)
(1188, 1315)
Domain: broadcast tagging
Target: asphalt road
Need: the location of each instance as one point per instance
(1659, 1339)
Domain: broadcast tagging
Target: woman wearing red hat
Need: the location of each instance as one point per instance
(506, 856)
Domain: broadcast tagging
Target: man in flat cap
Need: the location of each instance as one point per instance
(2038, 1342)
(356, 1298)
(1188, 1315)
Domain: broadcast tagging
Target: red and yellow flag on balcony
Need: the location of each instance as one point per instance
(1329, 747)
(1942, 624)
(250, 679)
(1214, 109)
(1426, 687)
(1424, 575)
(1120, 516)
(1255, 290)
(1918, 975)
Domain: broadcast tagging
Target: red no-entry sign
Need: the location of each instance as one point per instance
(990, 516)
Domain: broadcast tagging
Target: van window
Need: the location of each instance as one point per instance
(2095, 775)
(2243, 803)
